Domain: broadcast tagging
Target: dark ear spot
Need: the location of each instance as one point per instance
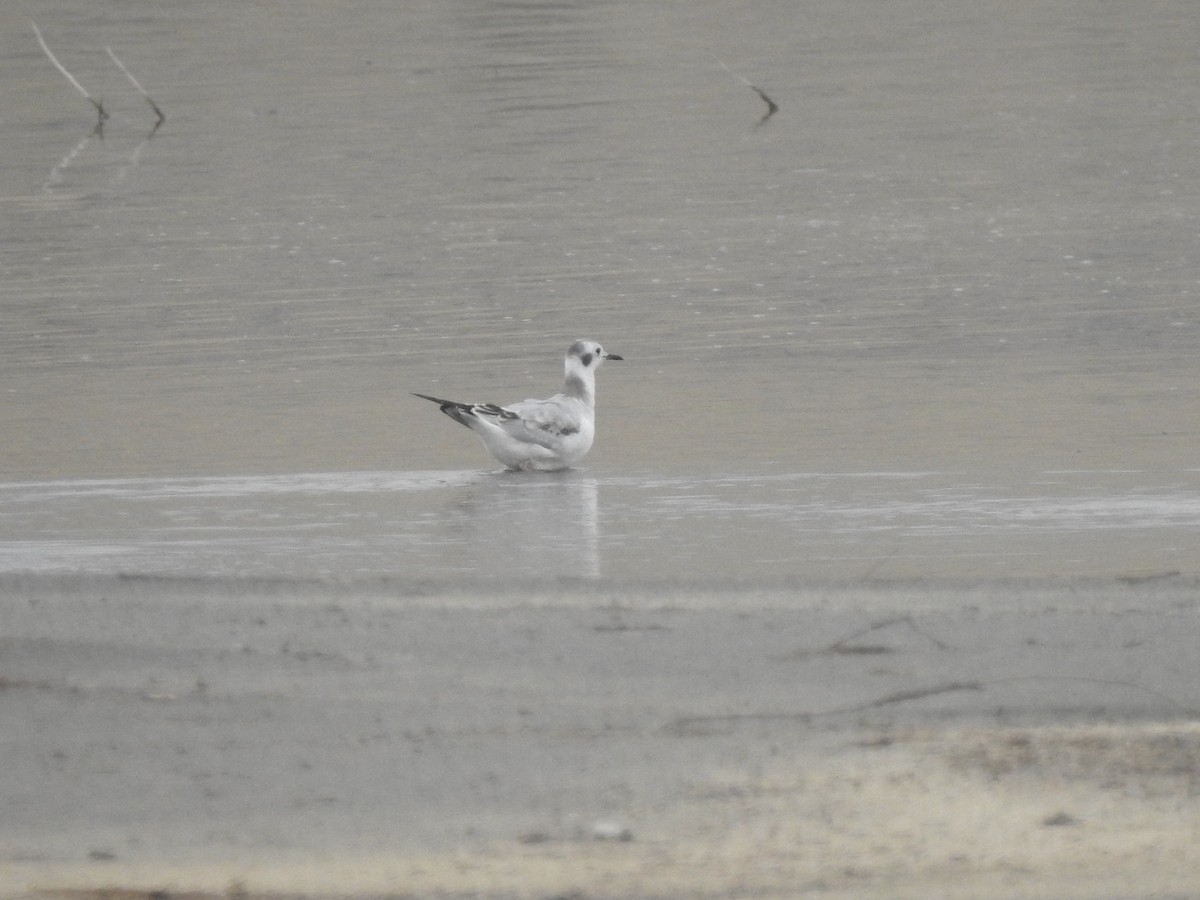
(586, 359)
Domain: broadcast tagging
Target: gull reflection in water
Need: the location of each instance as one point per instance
(528, 525)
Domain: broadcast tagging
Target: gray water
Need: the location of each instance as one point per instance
(937, 316)
(472, 528)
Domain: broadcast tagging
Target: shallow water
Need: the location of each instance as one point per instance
(962, 254)
(503, 529)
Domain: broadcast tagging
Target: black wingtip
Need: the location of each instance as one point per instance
(459, 412)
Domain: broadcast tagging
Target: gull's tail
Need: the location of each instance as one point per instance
(460, 412)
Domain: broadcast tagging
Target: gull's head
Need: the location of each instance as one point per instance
(583, 359)
(586, 356)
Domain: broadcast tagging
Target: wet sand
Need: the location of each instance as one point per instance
(1019, 739)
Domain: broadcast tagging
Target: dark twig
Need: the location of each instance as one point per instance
(100, 111)
(154, 106)
(849, 645)
(689, 725)
(1105, 682)
(700, 724)
(844, 645)
(772, 106)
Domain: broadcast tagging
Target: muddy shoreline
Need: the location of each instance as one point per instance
(1016, 740)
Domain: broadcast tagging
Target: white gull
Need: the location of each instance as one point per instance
(540, 435)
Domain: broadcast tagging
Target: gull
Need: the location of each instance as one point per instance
(540, 435)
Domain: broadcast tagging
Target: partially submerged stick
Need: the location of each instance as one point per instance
(772, 106)
(154, 106)
(100, 112)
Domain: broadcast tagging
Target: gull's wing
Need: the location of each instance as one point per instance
(543, 422)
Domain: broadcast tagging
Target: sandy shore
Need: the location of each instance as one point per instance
(902, 740)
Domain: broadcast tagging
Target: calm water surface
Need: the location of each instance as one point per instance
(939, 315)
(502, 528)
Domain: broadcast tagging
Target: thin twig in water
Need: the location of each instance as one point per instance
(848, 645)
(100, 112)
(844, 645)
(120, 65)
(696, 724)
(920, 694)
(1105, 682)
(772, 106)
